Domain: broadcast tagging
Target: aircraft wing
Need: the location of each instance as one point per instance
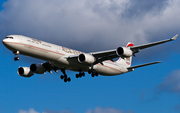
(136, 49)
(142, 65)
(105, 55)
(111, 54)
(49, 66)
(100, 56)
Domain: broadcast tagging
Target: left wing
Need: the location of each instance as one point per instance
(136, 49)
(111, 54)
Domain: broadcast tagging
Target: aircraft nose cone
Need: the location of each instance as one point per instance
(3, 41)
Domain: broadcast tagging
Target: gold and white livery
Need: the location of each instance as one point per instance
(62, 58)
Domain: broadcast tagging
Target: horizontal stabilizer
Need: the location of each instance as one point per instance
(142, 65)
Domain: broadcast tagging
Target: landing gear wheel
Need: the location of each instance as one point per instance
(68, 79)
(96, 74)
(16, 53)
(65, 76)
(16, 58)
(80, 75)
(89, 71)
(77, 76)
(62, 77)
(65, 80)
(83, 74)
(93, 73)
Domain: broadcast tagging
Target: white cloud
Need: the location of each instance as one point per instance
(96, 110)
(107, 110)
(31, 110)
(62, 111)
(177, 108)
(102, 24)
(170, 84)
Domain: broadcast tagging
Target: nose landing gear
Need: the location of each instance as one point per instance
(17, 57)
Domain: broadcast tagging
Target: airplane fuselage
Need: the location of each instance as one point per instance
(58, 55)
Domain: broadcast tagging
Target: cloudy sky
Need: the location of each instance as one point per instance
(91, 26)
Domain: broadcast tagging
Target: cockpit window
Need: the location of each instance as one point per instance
(10, 37)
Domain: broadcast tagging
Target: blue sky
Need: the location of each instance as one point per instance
(93, 25)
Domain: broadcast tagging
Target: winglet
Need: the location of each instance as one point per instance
(174, 38)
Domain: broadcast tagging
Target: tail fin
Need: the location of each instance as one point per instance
(126, 61)
(130, 44)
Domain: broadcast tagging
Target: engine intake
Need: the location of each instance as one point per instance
(86, 58)
(37, 68)
(124, 51)
(25, 72)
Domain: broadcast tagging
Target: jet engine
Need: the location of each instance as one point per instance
(86, 58)
(37, 68)
(124, 51)
(25, 72)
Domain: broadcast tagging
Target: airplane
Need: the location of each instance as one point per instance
(62, 58)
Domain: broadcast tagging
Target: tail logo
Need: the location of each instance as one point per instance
(130, 45)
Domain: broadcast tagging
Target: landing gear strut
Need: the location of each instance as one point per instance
(65, 77)
(81, 74)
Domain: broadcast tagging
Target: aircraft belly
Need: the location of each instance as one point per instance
(107, 70)
(74, 66)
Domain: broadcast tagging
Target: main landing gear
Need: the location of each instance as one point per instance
(65, 77)
(93, 73)
(81, 74)
(17, 57)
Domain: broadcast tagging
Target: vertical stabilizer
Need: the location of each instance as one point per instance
(126, 61)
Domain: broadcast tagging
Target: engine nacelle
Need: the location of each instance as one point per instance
(124, 51)
(25, 72)
(37, 68)
(86, 58)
